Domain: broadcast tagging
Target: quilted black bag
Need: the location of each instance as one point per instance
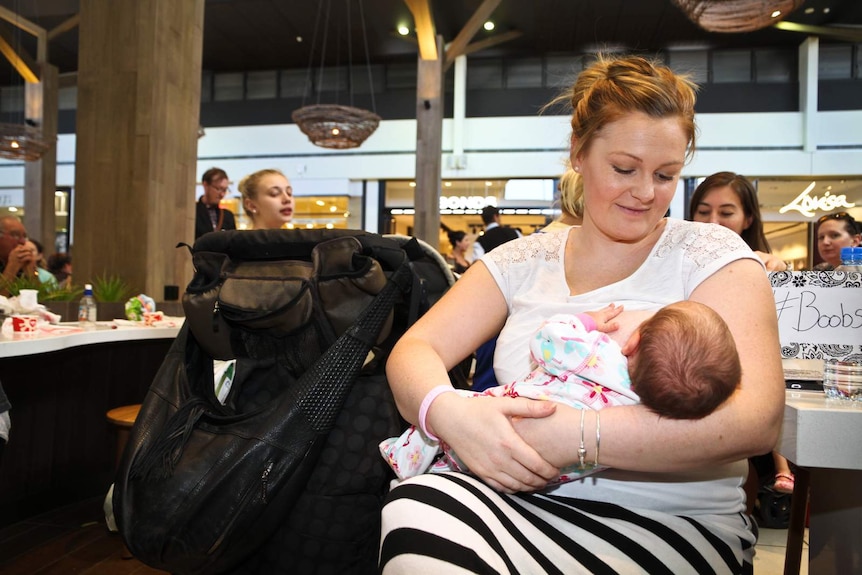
(308, 316)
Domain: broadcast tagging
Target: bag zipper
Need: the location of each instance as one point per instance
(244, 502)
(215, 317)
(264, 480)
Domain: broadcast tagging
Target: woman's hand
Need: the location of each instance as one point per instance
(772, 262)
(480, 431)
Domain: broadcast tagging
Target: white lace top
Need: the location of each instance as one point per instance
(530, 273)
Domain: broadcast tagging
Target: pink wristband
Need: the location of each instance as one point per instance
(426, 404)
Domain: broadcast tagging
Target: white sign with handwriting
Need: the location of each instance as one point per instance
(821, 315)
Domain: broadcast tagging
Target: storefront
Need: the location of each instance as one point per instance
(525, 204)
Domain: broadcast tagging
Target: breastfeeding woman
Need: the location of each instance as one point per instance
(672, 501)
(267, 198)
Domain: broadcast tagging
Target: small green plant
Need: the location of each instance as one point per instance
(110, 288)
(47, 291)
(54, 293)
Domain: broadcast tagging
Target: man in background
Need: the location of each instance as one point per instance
(15, 256)
(494, 235)
(209, 216)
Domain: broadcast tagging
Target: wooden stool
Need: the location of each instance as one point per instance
(123, 417)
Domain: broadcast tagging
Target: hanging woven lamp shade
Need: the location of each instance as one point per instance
(736, 15)
(335, 126)
(22, 142)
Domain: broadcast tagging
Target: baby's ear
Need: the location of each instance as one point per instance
(631, 345)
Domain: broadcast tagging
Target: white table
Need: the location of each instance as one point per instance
(67, 335)
(824, 437)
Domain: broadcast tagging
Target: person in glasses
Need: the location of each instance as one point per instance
(209, 216)
(15, 256)
(835, 231)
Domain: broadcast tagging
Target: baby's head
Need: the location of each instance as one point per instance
(686, 363)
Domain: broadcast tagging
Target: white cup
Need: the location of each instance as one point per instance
(28, 299)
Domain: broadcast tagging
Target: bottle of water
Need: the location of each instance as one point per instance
(851, 260)
(87, 308)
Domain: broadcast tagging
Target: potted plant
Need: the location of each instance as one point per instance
(60, 300)
(111, 293)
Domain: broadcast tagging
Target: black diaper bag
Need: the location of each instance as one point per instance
(284, 476)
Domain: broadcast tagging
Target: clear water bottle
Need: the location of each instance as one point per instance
(851, 260)
(87, 308)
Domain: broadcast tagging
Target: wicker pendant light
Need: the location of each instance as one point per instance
(335, 125)
(731, 16)
(22, 142)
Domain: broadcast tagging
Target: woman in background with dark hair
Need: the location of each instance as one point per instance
(460, 243)
(730, 200)
(835, 231)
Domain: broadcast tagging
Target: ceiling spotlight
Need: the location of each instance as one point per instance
(809, 10)
(827, 10)
(299, 38)
(488, 25)
(447, 184)
(412, 184)
(403, 30)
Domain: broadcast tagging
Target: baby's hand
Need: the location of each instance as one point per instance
(604, 316)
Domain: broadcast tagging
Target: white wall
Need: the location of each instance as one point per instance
(514, 147)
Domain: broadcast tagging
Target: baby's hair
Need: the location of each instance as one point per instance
(686, 364)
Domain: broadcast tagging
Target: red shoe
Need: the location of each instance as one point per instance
(783, 483)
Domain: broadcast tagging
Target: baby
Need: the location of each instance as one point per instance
(684, 365)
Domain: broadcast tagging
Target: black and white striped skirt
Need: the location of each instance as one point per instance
(453, 523)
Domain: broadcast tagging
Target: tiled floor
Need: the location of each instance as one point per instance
(769, 558)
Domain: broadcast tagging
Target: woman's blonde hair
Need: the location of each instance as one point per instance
(248, 186)
(572, 194)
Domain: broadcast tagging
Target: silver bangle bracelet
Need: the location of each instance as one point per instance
(582, 450)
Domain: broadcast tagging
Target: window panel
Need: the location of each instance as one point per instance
(731, 66)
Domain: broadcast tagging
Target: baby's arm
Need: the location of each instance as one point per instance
(602, 318)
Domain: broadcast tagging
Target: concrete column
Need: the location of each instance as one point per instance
(40, 177)
(138, 109)
(429, 147)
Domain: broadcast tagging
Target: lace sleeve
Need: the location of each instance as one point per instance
(515, 262)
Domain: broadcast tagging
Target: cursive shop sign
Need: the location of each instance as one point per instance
(819, 308)
(809, 205)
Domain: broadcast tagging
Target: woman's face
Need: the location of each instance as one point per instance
(832, 235)
(462, 243)
(722, 206)
(630, 173)
(272, 206)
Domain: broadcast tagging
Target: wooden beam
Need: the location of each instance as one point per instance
(479, 17)
(20, 60)
(68, 79)
(838, 32)
(20, 22)
(64, 27)
(425, 31)
(486, 43)
(37, 31)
